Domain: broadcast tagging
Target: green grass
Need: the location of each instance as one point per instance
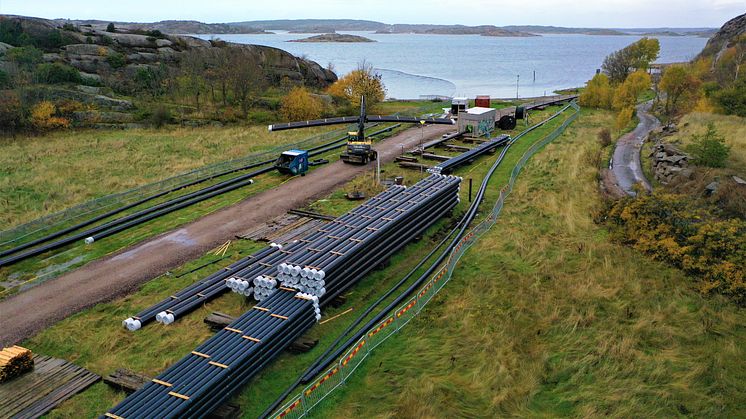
(545, 317)
(153, 348)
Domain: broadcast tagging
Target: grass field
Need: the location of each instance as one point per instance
(150, 350)
(546, 317)
(43, 174)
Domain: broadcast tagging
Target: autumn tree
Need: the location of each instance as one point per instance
(363, 81)
(634, 85)
(597, 93)
(681, 88)
(637, 56)
(300, 105)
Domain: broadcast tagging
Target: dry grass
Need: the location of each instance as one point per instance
(40, 175)
(546, 317)
(732, 128)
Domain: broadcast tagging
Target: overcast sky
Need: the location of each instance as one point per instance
(577, 13)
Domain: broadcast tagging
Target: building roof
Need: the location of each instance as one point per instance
(479, 110)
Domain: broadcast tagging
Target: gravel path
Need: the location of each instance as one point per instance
(29, 312)
(626, 164)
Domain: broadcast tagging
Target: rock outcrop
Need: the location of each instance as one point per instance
(723, 39)
(670, 164)
(95, 51)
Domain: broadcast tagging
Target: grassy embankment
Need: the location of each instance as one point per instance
(546, 317)
(124, 159)
(150, 350)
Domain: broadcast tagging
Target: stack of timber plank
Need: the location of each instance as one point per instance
(14, 361)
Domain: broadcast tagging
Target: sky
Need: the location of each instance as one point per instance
(577, 13)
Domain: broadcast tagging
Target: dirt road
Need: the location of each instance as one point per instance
(626, 164)
(27, 313)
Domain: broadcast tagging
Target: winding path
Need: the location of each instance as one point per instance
(29, 312)
(626, 164)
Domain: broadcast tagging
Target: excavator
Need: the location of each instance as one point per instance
(359, 149)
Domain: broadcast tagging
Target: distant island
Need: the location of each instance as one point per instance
(334, 37)
(324, 26)
(484, 30)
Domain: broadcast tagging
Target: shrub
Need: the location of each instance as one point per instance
(300, 105)
(42, 117)
(684, 233)
(733, 99)
(4, 79)
(26, 57)
(604, 137)
(111, 28)
(12, 113)
(160, 116)
(56, 73)
(70, 27)
(116, 60)
(709, 149)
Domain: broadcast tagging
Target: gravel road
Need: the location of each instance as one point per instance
(29, 312)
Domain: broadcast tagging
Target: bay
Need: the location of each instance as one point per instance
(413, 65)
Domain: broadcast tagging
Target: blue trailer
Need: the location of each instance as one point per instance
(293, 162)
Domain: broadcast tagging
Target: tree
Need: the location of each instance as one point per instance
(300, 105)
(246, 78)
(597, 93)
(363, 81)
(25, 57)
(624, 116)
(681, 88)
(634, 85)
(709, 149)
(111, 28)
(637, 56)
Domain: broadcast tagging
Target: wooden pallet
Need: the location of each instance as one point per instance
(285, 229)
(35, 393)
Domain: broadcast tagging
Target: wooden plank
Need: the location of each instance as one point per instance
(35, 393)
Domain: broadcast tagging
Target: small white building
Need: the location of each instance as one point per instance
(477, 122)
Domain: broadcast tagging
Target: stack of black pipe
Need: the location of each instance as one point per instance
(334, 259)
(210, 374)
(214, 371)
(466, 157)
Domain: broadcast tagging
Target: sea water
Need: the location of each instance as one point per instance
(413, 65)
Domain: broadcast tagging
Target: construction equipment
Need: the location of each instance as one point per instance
(359, 149)
(292, 162)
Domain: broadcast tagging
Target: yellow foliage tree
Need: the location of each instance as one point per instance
(634, 85)
(597, 93)
(625, 115)
(681, 87)
(42, 116)
(363, 81)
(300, 105)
